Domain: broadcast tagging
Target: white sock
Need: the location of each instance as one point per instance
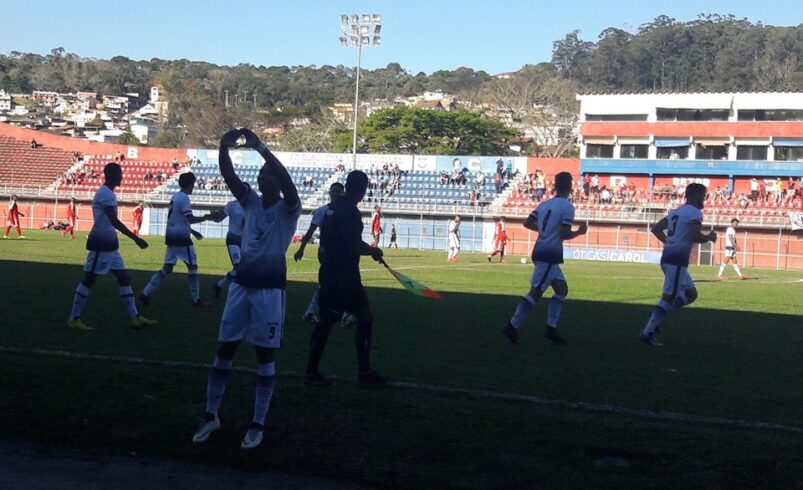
(657, 316)
(195, 288)
(313, 302)
(721, 269)
(216, 385)
(127, 295)
(156, 278)
(554, 309)
(266, 380)
(736, 268)
(79, 300)
(522, 310)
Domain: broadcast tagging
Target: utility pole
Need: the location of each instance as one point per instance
(227, 99)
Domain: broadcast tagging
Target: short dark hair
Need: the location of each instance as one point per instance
(112, 169)
(186, 179)
(734, 220)
(695, 190)
(563, 182)
(356, 182)
(336, 185)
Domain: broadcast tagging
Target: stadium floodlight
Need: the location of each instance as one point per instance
(359, 30)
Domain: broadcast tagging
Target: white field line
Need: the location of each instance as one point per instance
(536, 400)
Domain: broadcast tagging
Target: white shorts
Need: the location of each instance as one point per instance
(454, 241)
(234, 254)
(676, 279)
(730, 252)
(545, 274)
(186, 254)
(102, 262)
(255, 315)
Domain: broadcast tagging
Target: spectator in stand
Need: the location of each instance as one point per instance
(34, 144)
(457, 166)
(762, 191)
(472, 197)
(500, 166)
(753, 189)
(480, 178)
(595, 185)
(308, 182)
(498, 182)
(444, 177)
(586, 185)
(742, 201)
(779, 190)
(605, 195)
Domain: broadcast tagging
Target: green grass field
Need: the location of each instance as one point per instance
(734, 357)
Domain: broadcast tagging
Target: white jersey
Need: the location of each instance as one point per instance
(266, 236)
(679, 239)
(178, 228)
(454, 228)
(551, 216)
(319, 215)
(103, 237)
(234, 211)
(730, 238)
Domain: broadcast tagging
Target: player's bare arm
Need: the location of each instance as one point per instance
(304, 240)
(531, 223)
(566, 232)
(696, 230)
(659, 230)
(236, 186)
(119, 226)
(289, 191)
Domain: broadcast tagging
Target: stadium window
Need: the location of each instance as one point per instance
(634, 151)
(770, 115)
(692, 114)
(599, 151)
(672, 153)
(616, 117)
(789, 153)
(711, 152)
(751, 153)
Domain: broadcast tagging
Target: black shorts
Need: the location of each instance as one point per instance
(348, 298)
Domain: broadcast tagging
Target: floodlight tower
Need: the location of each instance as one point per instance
(358, 31)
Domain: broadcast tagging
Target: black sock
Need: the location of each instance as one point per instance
(317, 344)
(362, 341)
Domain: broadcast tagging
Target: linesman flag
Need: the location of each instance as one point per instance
(412, 285)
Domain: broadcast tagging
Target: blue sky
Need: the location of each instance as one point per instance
(496, 36)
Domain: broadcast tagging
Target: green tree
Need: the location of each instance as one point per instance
(128, 138)
(169, 138)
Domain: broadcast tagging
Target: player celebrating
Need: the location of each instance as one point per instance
(500, 240)
(341, 285)
(138, 211)
(553, 220)
(72, 218)
(255, 304)
(234, 239)
(376, 226)
(731, 247)
(103, 252)
(13, 218)
(678, 231)
(179, 241)
(454, 239)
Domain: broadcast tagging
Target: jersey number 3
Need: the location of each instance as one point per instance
(673, 225)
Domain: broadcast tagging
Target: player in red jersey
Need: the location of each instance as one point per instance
(376, 226)
(500, 240)
(13, 218)
(138, 217)
(72, 219)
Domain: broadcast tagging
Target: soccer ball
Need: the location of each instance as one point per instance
(524, 260)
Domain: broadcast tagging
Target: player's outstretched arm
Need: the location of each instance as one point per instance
(119, 226)
(696, 231)
(289, 191)
(236, 186)
(659, 230)
(304, 240)
(566, 232)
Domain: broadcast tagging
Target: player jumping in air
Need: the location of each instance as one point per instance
(341, 285)
(454, 239)
(103, 254)
(138, 211)
(178, 238)
(72, 218)
(13, 218)
(376, 226)
(234, 239)
(254, 308)
(678, 231)
(500, 240)
(731, 247)
(553, 220)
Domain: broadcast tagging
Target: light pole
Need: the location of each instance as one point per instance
(359, 31)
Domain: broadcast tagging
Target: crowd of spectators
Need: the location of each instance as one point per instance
(211, 184)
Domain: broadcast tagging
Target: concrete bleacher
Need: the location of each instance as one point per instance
(134, 173)
(21, 165)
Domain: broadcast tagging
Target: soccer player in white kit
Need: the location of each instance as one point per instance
(731, 247)
(104, 256)
(678, 231)
(454, 239)
(234, 238)
(553, 220)
(178, 239)
(255, 304)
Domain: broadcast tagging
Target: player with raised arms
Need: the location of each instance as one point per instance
(731, 247)
(234, 239)
(552, 220)
(255, 303)
(678, 231)
(104, 256)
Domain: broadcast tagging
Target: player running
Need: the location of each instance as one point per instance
(13, 218)
(341, 285)
(72, 219)
(103, 256)
(731, 247)
(553, 220)
(678, 231)
(376, 226)
(138, 212)
(500, 240)
(454, 239)
(178, 238)
(254, 308)
(234, 239)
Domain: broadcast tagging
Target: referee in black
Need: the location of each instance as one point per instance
(341, 285)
